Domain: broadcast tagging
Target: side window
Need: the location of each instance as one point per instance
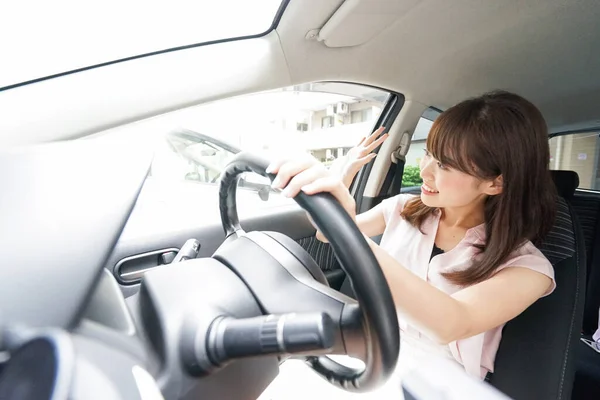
(324, 119)
(411, 177)
(578, 152)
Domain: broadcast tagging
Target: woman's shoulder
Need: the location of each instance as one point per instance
(529, 256)
(393, 206)
(528, 249)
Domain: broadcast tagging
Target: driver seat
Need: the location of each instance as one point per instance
(536, 357)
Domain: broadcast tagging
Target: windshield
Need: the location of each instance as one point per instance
(47, 38)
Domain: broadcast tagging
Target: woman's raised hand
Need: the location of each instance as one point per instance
(360, 155)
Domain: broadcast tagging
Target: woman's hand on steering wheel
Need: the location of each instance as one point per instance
(305, 173)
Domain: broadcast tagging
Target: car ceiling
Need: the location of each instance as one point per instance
(439, 52)
(434, 52)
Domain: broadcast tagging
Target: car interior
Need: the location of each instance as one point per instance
(120, 283)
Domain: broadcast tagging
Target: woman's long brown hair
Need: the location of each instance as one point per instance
(497, 134)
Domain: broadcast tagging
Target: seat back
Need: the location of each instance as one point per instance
(536, 357)
(587, 207)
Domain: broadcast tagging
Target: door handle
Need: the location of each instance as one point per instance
(130, 270)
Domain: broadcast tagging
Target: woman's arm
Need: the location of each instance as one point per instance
(468, 312)
(370, 223)
(442, 317)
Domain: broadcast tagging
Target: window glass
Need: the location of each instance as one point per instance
(302, 126)
(578, 152)
(194, 145)
(327, 122)
(361, 115)
(411, 176)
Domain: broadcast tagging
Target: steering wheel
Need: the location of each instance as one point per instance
(192, 327)
(367, 330)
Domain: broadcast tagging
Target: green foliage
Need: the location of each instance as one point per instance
(411, 176)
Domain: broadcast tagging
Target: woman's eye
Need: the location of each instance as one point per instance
(426, 153)
(441, 166)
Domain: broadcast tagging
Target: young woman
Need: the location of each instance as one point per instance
(460, 259)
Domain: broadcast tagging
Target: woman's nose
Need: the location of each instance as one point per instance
(426, 169)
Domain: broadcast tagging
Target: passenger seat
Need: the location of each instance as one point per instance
(587, 208)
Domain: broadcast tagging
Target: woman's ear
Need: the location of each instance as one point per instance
(495, 187)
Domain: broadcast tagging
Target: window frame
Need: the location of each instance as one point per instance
(388, 115)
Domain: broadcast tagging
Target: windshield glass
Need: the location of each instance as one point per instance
(47, 38)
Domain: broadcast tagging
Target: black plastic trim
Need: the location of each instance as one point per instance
(52, 349)
(574, 132)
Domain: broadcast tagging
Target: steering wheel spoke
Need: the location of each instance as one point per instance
(280, 282)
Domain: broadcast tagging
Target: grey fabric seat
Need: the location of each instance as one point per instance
(537, 355)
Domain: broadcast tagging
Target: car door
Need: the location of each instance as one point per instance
(179, 200)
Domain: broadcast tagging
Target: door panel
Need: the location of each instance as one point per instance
(160, 225)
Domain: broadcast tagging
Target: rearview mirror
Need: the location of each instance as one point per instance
(263, 193)
(261, 188)
(208, 152)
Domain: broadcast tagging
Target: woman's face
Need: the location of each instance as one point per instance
(444, 187)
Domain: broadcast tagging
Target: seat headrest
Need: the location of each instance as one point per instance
(566, 182)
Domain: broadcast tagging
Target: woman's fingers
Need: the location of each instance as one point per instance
(334, 186)
(374, 135)
(303, 178)
(278, 160)
(285, 170)
(364, 160)
(376, 143)
(320, 237)
(274, 166)
(357, 164)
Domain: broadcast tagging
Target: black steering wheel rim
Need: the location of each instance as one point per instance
(379, 318)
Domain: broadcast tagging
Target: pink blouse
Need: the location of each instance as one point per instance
(412, 249)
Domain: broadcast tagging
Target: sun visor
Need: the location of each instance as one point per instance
(358, 21)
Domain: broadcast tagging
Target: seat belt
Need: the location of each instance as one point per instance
(399, 171)
(393, 180)
(387, 182)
